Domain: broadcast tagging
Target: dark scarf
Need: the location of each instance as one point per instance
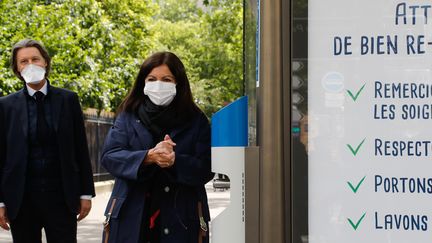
(160, 120)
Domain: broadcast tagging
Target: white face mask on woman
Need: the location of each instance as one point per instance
(160, 93)
(33, 74)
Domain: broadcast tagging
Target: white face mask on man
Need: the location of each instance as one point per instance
(160, 93)
(33, 74)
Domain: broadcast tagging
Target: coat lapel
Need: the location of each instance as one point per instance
(23, 113)
(142, 133)
(56, 104)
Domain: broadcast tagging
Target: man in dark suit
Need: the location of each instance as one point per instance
(45, 171)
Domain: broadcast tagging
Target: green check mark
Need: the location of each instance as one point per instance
(354, 97)
(354, 189)
(355, 151)
(356, 225)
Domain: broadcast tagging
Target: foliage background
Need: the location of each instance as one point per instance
(97, 45)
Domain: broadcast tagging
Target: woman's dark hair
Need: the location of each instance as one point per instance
(25, 44)
(183, 101)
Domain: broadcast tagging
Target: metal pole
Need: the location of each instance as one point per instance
(270, 125)
(286, 108)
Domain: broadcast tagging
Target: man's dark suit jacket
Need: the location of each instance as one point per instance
(76, 173)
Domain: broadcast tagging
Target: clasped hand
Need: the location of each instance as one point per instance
(163, 153)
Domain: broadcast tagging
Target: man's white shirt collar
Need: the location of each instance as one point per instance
(44, 89)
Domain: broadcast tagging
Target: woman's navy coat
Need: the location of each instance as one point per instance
(125, 147)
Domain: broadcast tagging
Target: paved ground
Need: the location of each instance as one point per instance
(90, 229)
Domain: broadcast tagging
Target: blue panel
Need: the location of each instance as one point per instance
(230, 125)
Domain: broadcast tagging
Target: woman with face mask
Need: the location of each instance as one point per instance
(159, 152)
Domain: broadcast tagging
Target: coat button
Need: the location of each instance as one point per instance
(166, 189)
(166, 231)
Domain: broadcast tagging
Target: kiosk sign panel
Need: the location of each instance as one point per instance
(370, 121)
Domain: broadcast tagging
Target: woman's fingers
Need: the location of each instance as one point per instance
(165, 144)
(168, 139)
(166, 159)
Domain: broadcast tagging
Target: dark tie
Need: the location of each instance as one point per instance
(41, 125)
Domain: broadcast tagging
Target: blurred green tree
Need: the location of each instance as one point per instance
(98, 45)
(209, 39)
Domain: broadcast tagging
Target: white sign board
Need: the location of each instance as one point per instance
(229, 226)
(370, 121)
